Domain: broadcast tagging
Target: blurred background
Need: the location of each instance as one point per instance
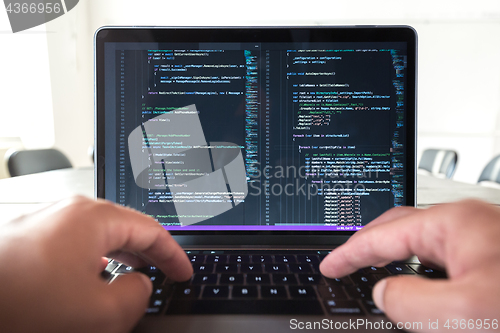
(47, 71)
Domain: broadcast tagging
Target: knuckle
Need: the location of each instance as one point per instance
(470, 210)
(459, 212)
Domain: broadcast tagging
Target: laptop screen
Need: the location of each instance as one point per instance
(276, 129)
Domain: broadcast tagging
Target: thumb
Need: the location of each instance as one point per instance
(412, 299)
(129, 294)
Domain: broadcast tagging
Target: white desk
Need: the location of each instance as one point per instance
(47, 187)
(432, 191)
(24, 194)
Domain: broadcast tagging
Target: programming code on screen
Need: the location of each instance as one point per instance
(278, 136)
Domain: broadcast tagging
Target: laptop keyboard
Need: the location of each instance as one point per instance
(266, 282)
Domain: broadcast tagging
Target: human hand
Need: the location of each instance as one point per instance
(463, 238)
(52, 263)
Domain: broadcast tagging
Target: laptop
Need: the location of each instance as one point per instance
(260, 149)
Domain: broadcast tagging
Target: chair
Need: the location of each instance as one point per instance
(491, 171)
(439, 162)
(25, 162)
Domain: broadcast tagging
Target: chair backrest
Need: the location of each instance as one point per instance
(491, 171)
(25, 162)
(439, 162)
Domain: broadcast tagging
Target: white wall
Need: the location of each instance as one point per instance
(71, 69)
(459, 71)
(25, 90)
(459, 92)
(26, 118)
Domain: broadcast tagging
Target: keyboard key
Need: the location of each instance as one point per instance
(301, 292)
(216, 259)
(215, 291)
(155, 305)
(308, 259)
(124, 269)
(243, 306)
(226, 268)
(284, 279)
(363, 279)
(428, 272)
(106, 273)
(238, 259)
(273, 292)
(231, 279)
(399, 269)
(375, 270)
(343, 307)
(111, 266)
(258, 279)
(345, 281)
(286, 259)
(205, 279)
(275, 268)
(155, 275)
(161, 291)
(263, 259)
(203, 268)
(186, 292)
(198, 258)
(359, 292)
(251, 268)
(157, 278)
(244, 292)
(310, 278)
(149, 269)
(300, 268)
(331, 292)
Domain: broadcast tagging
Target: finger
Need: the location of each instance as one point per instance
(391, 240)
(440, 236)
(128, 259)
(152, 243)
(133, 232)
(114, 228)
(126, 299)
(410, 299)
(393, 214)
(104, 263)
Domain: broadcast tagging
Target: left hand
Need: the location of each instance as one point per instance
(52, 261)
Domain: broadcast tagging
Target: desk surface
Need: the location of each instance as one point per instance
(47, 187)
(26, 194)
(20, 195)
(432, 191)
